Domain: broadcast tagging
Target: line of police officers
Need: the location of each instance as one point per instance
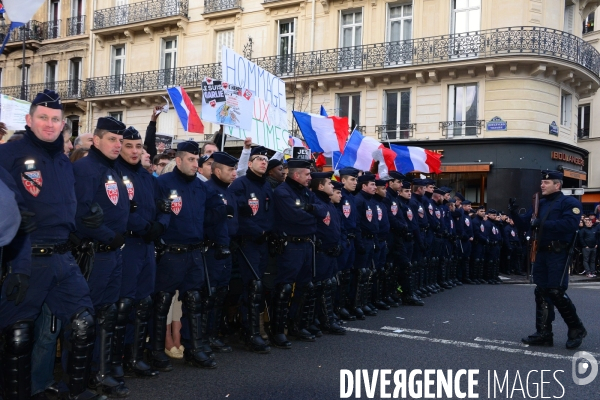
(342, 250)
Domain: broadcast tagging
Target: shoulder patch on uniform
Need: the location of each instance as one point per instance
(576, 210)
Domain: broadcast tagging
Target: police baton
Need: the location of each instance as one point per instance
(208, 287)
(569, 255)
(248, 263)
(314, 268)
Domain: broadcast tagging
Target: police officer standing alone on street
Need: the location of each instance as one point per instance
(556, 223)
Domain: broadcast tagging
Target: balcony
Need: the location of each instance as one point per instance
(68, 90)
(51, 29)
(33, 31)
(213, 6)
(387, 133)
(454, 129)
(140, 12)
(76, 25)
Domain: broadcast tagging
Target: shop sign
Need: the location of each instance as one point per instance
(560, 156)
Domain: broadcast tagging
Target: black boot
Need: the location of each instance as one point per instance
(158, 359)
(82, 335)
(124, 307)
(328, 322)
(208, 305)
(254, 341)
(379, 282)
(194, 352)
(312, 323)
(543, 326)
(102, 381)
(366, 293)
(454, 265)
(356, 309)
(134, 360)
(567, 310)
(216, 344)
(280, 311)
(409, 298)
(343, 290)
(443, 278)
(299, 323)
(390, 283)
(16, 360)
(465, 274)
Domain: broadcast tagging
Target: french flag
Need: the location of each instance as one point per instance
(409, 159)
(323, 134)
(185, 110)
(359, 152)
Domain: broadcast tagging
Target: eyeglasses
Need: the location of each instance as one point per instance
(260, 158)
(162, 164)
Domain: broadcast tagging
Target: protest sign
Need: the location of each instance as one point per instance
(226, 104)
(163, 142)
(13, 112)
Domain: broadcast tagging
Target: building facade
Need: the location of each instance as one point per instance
(430, 73)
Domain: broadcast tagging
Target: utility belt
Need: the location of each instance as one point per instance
(42, 250)
(132, 234)
(260, 239)
(368, 236)
(299, 239)
(424, 230)
(383, 237)
(351, 236)
(183, 248)
(555, 246)
(330, 250)
(409, 237)
(103, 248)
(493, 243)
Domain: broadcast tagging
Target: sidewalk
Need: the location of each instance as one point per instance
(519, 280)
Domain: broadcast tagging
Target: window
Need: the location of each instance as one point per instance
(569, 14)
(400, 23)
(462, 110)
(396, 114)
(118, 115)
(588, 23)
(583, 119)
(286, 41)
(466, 16)
(51, 75)
(565, 110)
(76, 26)
(168, 63)
(117, 67)
(224, 38)
(74, 119)
(53, 19)
(351, 29)
(75, 78)
(349, 106)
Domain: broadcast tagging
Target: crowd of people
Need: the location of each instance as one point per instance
(259, 248)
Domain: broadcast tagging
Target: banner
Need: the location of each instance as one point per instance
(269, 125)
(13, 112)
(301, 152)
(163, 142)
(226, 104)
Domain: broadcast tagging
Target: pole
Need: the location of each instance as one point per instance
(23, 32)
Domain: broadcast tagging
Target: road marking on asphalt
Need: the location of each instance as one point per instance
(391, 328)
(464, 344)
(587, 287)
(507, 342)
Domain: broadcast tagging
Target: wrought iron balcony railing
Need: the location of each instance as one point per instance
(68, 90)
(139, 82)
(33, 30)
(395, 132)
(139, 12)
(51, 29)
(517, 41)
(76, 25)
(452, 129)
(211, 6)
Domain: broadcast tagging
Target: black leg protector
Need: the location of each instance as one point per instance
(312, 324)
(134, 361)
(208, 306)
(366, 293)
(280, 311)
(390, 283)
(379, 278)
(466, 270)
(344, 290)
(162, 304)
(543, 326)
(192, 309)
(567, 310)
(124, 307)
(16, 361)
(298, 325)
(82, 331)
(216, 344)
(254, 341)
(356, 300)
(328, 322)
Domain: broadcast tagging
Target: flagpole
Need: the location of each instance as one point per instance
(336, 164)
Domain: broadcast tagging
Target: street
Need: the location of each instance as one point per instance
(469, 327)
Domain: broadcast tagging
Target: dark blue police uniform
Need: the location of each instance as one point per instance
(466, 240)
(480, 243)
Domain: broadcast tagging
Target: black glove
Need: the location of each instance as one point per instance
(132, 206)
(222, 252)
(16, 287)
(28, 225)
(230, 211)
(535, 223)
(308, 207)
(164, 206)
(95, 218)
(156, 230)
(512, 204)
(245, 210)
(117, 242)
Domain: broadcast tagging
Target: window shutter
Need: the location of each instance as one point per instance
(569, 13)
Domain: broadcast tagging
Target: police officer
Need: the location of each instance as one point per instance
(350, 235)
(466, 240)
(219, 270)
(253, 198)
(39, 259)
(328, 248)
(480, 244)
(516, 249)
(493, 253)
(98, 181)
(384, 240)
(557, 223)
(440, 240)
(421, 257)
(275, 175)
(296, 214)
(182, 268)
(145, 225)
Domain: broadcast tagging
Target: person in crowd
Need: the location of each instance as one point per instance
(83, 141)
(588, 240)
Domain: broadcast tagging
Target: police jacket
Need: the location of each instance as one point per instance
(466, 227)
(193, 205)
(496, 233)
(291, 199)
(228, 198)
(367, 213)
(588, 237)
(328, 228)
(383, 214)
(98, 181)
(430, 207)
(510, 237)
(253, 197)
(350, 213)
(481, 235)
(142, 188)
(15, 248)
(410, 216)
(398, 223)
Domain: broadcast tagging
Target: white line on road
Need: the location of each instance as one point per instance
(464, 344)
(478, 339)
(391, 328)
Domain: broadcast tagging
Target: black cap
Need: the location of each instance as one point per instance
(258, 151)
(481, 207)
(298, 163)
(549, 174)
(396, 175)
(111, 124)
(405, 185)
(204, 158)
(224, 158)
(460, 196)
(321, 175)
(446, 189)
(131, 134)
(48, 98)
(381, 182)
(466, 202)
(419, 182)
(429, 181)
(366, 178)
(439, 191)
(189, 146)
(492, 211)
(273, 163)
(349, 171)
(451, 201)
(337, 185)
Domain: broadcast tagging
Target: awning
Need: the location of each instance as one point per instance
(573, 173)
(590, 198)
(466, 167)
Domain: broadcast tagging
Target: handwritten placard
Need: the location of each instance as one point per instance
(13, 112)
